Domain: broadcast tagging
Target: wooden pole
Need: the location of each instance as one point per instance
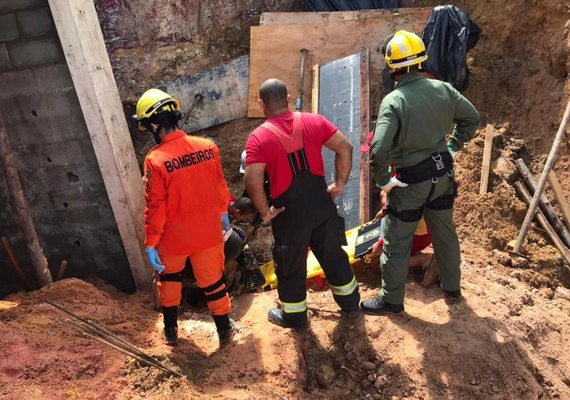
(39, 261)
(315, 90)
(365, 199)
(61, 271)
(559, 194)
(487, 153)
(543, 178)
(16, 264)
(554, 219)
(523, 192)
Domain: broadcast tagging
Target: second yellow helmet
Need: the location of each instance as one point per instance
(404, 50)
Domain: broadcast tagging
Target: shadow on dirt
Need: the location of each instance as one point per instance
(469, 356)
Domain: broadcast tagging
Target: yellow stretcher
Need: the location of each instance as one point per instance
(313, 267)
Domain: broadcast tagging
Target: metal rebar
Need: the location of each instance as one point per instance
(113, 339)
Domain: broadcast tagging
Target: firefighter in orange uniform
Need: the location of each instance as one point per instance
(186, 212)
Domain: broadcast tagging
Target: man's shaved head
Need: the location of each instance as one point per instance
(273, 93)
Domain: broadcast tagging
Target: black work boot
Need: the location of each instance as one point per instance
(452, 295)
(170, 316)
(377, 306)
(299, 322)
(349, 304)
(226, 335)
(171, 335)
(226, 328)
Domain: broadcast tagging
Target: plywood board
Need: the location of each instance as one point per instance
(224, 88)
(296, 18)
(275, 49)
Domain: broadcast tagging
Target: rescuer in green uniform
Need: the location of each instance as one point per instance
(411, 136)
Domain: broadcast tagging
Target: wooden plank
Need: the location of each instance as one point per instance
(82, 42)
(297, 18)
(543, 202)
(487, 152)
(526, 196)
(224, 88)
(315, 89)
(274, 48)
(339, 93)
(21, 209)
(365, 182)
(559, 194)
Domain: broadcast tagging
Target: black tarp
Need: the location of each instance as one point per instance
(448, 35)
(346, 5)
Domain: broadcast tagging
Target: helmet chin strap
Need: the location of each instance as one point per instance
(154, 133)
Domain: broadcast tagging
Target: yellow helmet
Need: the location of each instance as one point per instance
(405, 49)
(152, 102)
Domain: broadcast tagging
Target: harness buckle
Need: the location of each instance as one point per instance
(434, 179)
(438, 159)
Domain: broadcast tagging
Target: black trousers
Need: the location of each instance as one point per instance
(310, 220)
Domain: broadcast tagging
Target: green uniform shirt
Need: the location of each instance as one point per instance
(413, 121)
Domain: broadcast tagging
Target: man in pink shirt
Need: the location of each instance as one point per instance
(288, 146)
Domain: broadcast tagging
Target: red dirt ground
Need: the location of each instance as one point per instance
(509, 339)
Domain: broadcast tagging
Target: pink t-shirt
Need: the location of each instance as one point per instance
(263, 147)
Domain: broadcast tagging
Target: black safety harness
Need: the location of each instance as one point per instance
(432, 168)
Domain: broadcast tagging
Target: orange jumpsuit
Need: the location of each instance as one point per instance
(185, 194)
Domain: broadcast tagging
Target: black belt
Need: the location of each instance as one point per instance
(435, 166)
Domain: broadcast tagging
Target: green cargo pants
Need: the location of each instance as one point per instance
(399, 234)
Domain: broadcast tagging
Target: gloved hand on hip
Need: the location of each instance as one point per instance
(392, 184)
(154, 259)
(225, 221)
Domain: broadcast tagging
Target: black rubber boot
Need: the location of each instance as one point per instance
(170, 316)
(377, 306)
(171, 335)
(225, 327)
(297, 321)
(348, 304)
(452, 295)
(226, 335)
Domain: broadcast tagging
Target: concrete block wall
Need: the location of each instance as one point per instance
(54, 155)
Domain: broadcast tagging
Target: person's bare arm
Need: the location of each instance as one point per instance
(254, 177)
(343, 162)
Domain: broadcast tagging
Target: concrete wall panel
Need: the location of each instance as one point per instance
(55, 158)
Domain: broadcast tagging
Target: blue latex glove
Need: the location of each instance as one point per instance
(225, 222)
(154, 259)
(452, 152)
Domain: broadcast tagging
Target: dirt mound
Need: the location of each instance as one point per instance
(501, 342)
(488, 222)
(42, 356)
